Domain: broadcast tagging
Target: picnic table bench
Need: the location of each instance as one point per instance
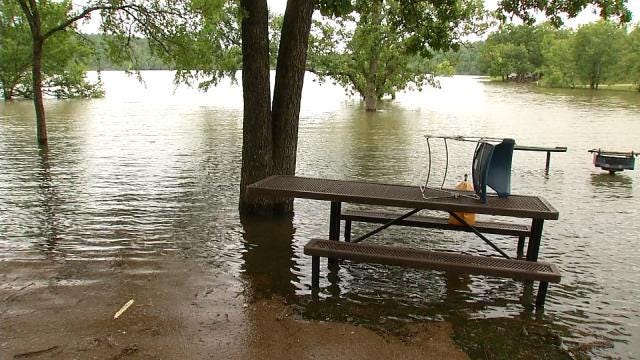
(433, 260)
(487, 227)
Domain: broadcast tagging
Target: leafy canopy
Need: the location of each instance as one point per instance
(596, 52)
(66, 55)
(386, 46)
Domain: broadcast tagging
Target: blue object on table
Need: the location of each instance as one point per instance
(492, 166)
(480, 169)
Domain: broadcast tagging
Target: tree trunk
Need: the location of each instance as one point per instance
(371, 91)
(598, 73)
(7, 94)
(257, 148)
(38, 102)
(371, 88)
(370, 100)
(287, 93)
(10, 91)
(30, 10)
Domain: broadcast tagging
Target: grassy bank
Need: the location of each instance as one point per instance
(615, 87)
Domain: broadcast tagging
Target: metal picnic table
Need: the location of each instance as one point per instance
(548, 150)
(535, 208)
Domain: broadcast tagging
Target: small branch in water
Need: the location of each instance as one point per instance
(11, 296)
(35, 353)
(123, 309)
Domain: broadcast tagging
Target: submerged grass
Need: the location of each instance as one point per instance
(612, 87)
(508, 338)
(495, 338)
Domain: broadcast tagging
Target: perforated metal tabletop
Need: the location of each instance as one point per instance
(372, 193)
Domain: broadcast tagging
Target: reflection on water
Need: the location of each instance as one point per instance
(144, 172)
(269, 261)
(609, 181)
(48, 198)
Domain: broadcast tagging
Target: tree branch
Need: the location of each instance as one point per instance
(28, 14)
(82, 15)
(332, 73)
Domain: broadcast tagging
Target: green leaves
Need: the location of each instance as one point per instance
(631, 57)
(553, 10)
(335, 7)
(386, 47)
(514, 50)
(597, 52)
(65, 57)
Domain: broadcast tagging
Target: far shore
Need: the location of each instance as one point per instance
(613, 87)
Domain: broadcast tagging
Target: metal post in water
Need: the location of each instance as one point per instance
(546, 171)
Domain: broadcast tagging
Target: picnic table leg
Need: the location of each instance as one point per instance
(315, 272)
(546, 171)
(542, 294)
(479, 234)
(520, 251)
(334, 220)
(535, 239)
(347, 230)
(334, 225)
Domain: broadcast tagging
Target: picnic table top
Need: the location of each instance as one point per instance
(371, 193)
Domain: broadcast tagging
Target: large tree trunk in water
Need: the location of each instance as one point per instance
(38, 102)
(371, 86)
(370, 101)
(257, 150)
(33, 17)
(292, 58)
(371, 91)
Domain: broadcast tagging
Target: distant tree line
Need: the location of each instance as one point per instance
(598, 53)
(143, 57)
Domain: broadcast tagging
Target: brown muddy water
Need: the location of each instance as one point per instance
(147, 178)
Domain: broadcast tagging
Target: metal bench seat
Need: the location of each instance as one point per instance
(440, 261)
(488, 227)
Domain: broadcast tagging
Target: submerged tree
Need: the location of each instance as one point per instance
(65, 56)
(596, 52)
(502, 60)
(14, 48)
(384, 48)
(515, 49)
(559, 68)
(631, 57)
(270, 129)
(165, 23)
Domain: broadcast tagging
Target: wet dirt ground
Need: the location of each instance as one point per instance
(182, 310)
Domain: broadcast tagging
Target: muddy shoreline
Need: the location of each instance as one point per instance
(182, 309)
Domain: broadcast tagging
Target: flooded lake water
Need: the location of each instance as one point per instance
(151, 169)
